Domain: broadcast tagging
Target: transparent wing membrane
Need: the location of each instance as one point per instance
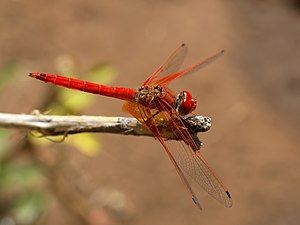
(170, 77)
(170, 65)
(190, 165)
(193, 163)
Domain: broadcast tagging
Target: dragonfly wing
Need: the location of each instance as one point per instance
(191, 162)
(190, 165)
(170, 65)
(197, 169)
(147, 116)
(170, 77)
(177, 165)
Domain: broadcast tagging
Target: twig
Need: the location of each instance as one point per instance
(62, 125)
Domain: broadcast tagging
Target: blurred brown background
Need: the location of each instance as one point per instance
(252, 95)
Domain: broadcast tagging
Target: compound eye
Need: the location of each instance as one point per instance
(188, 103)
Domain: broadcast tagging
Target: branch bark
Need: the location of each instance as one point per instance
(50, 125)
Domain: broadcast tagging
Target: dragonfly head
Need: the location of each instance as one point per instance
(185, 103)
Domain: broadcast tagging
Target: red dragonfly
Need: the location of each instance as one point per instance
(154, 102)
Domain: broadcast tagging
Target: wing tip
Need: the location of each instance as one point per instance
(229, 203)
(197, 203)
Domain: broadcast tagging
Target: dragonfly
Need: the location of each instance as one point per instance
(152, 103)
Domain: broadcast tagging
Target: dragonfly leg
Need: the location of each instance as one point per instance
(178, 102)
(197, 142)
(150, 118)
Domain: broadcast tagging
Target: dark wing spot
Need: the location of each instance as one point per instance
(228, 194)
(195, 200)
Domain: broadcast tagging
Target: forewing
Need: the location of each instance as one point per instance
(170, 65)
(170, 77)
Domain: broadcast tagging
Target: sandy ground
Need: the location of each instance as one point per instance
(252, 95)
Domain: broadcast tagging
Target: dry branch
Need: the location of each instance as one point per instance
(62, 125)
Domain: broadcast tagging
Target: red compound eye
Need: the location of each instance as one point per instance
(188, 103)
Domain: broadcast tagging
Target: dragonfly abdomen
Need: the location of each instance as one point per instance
(86, 86)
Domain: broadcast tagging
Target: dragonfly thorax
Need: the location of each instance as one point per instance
(147, 94)
(184, 103)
